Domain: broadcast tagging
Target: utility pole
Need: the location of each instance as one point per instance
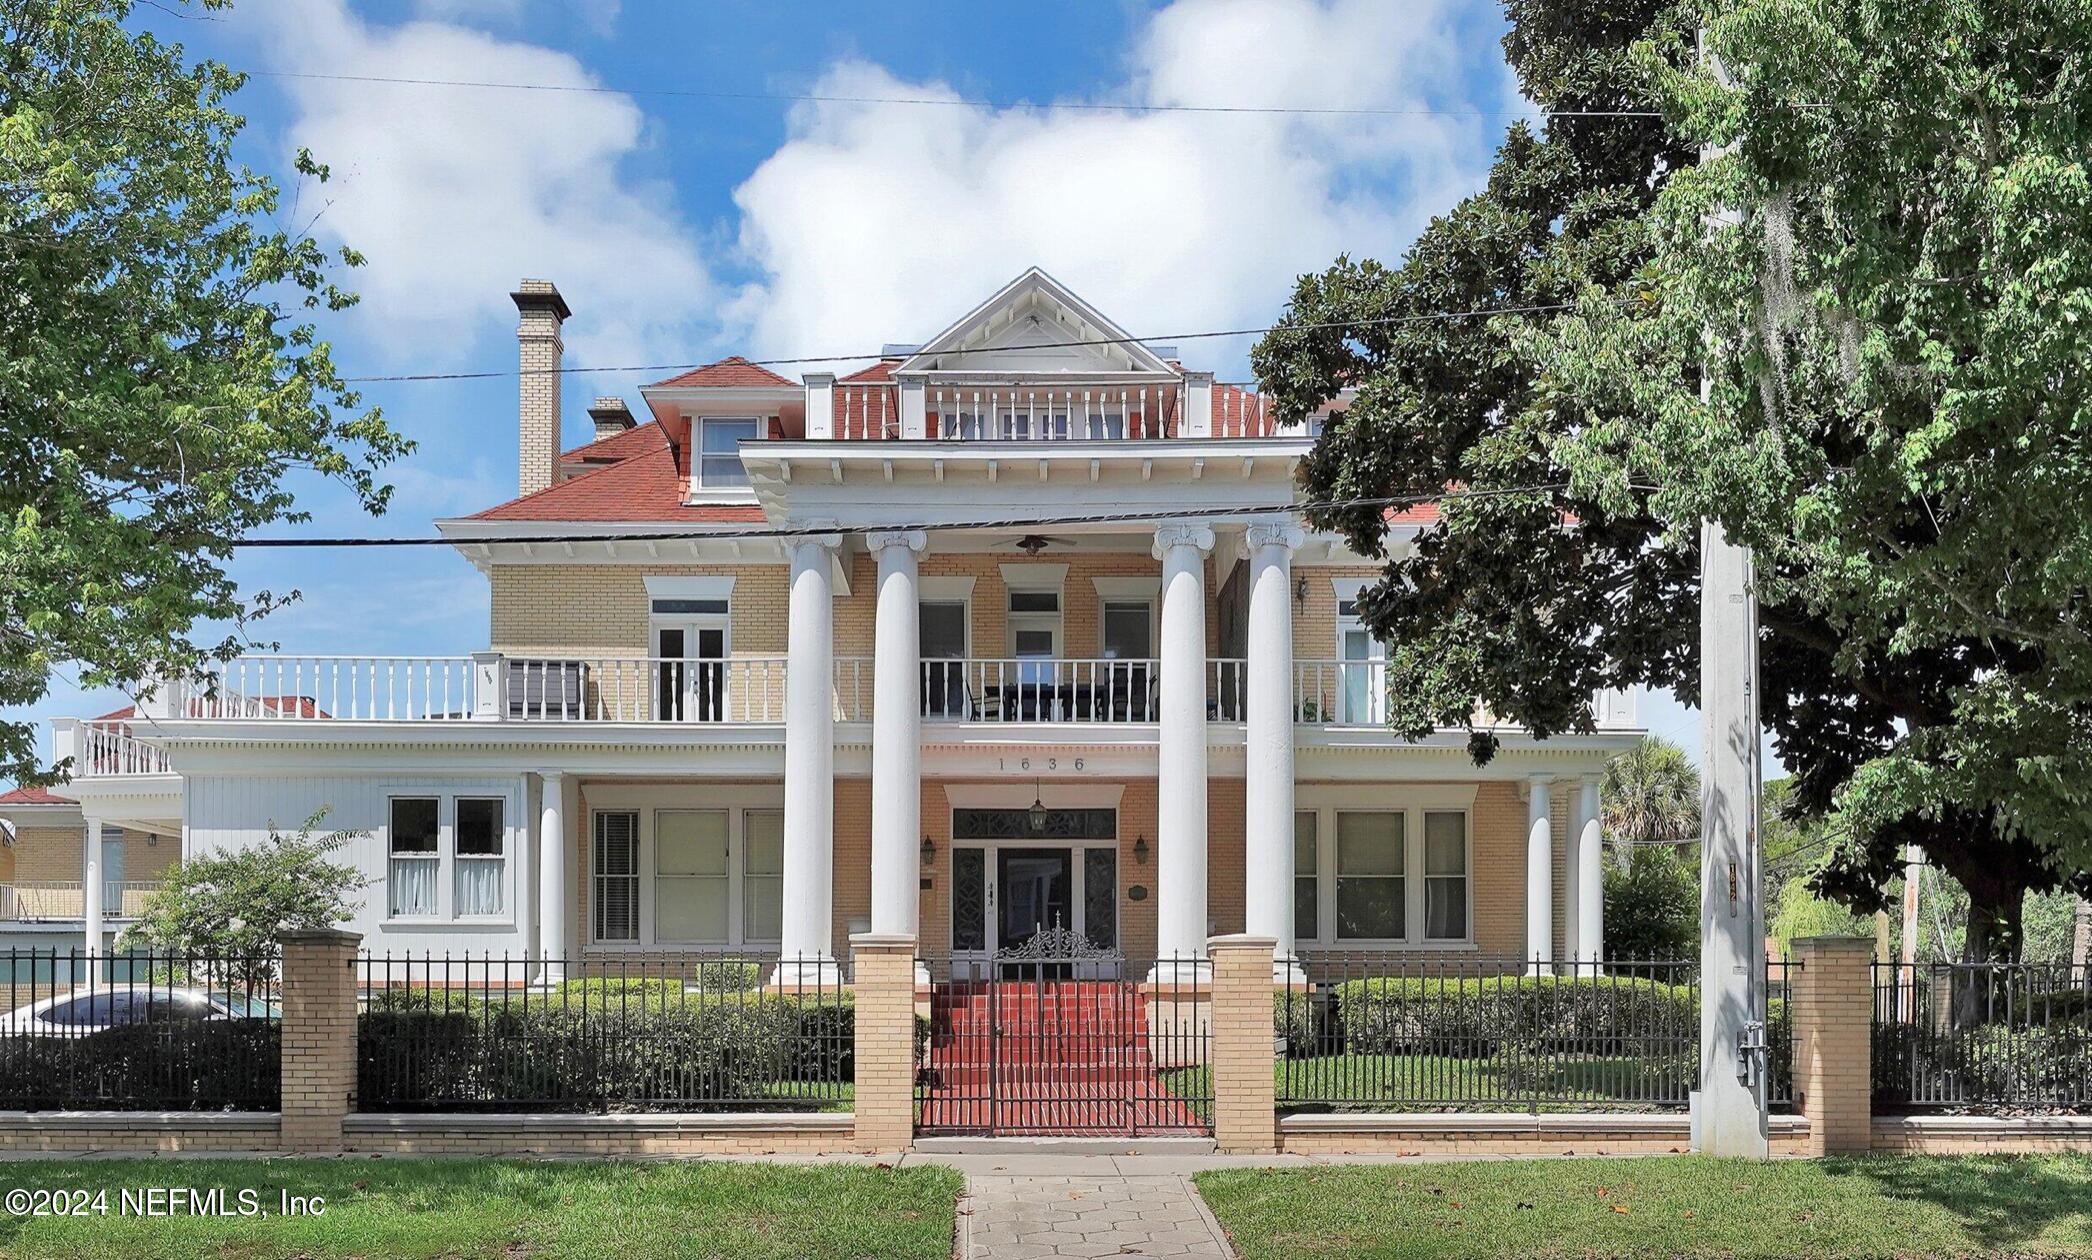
(1729, 1116)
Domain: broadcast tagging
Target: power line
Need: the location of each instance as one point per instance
(829, 529)
(951, 102)
(1157, 339)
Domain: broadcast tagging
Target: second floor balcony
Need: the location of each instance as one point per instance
(736, 691)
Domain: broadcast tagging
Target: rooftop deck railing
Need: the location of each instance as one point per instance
(27, 900)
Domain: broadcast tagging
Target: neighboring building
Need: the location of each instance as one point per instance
(42, 898)
(737, 697)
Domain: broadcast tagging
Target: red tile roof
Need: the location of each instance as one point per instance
(880, 371)
(647, 484)
(633, 441)
(32, 796)
(728, 373)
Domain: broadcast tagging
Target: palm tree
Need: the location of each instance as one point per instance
(1652, 796)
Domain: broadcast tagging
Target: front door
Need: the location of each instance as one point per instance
(1037, 887)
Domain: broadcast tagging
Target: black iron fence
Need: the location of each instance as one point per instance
(1088, 1043)
(1366, 1033)
(2007, 1036)
(501, 1034)
(140, 1031)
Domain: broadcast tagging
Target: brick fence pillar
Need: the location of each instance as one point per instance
(1244, 1115)
(884, 983)
(319, 1037)
(1832, 1006)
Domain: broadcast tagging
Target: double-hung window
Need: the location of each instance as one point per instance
(481, 867)
(1372, 875)
(1307, 887)
(691, 875)
(1445, 875)
(415, 860)
(762, 874)
(616, 865)
(719, 452)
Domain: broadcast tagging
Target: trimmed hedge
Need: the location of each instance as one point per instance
(638, 1046)
(187, 1065)
(1474, 1017)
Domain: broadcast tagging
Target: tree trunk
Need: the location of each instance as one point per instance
(1994, 935)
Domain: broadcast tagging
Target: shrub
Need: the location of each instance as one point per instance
(1474, 1017)
(1300, 1020)
(204, 1065)
(599, 1047)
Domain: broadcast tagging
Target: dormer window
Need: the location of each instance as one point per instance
(719, 452)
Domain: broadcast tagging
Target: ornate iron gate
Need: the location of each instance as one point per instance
(1062, 1038)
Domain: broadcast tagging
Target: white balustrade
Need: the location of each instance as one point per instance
(104, 749)
(1035, 413)
(740, 689)
(349, 688)
(63, 899)
(1342, 693)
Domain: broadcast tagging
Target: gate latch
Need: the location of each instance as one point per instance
(1751, 1052)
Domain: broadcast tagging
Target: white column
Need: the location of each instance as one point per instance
(1539, 876)
(896, 734)
(521, 861)
(808, 948)
(552, 876)
(91, 891)
(1267, 789)
(1590, 874)
(1180, 787)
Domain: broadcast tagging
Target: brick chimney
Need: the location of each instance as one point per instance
(538, 342)
(611, 415)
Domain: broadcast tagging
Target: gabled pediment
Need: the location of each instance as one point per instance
(1019, 331)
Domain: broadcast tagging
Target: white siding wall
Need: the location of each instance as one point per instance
(234, 811)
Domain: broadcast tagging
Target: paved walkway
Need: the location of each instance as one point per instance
(1024, 1218)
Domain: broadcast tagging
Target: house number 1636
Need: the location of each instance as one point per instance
(1024, 764)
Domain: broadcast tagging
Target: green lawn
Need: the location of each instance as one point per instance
(1660, 1207)
(1407, 1082)
(504, 1210)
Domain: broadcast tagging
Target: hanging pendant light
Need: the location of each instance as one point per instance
(1038, 810)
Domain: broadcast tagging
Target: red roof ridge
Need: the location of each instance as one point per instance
(738, 370)
(606, 446)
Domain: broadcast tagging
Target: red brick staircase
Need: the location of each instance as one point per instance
(1045, 1058)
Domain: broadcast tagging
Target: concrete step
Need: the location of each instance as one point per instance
(1019, 1146)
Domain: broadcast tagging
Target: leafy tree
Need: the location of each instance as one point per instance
(1892, 258)
(1650, 795)
(233, 905)
(157, 383)
(1652, 908)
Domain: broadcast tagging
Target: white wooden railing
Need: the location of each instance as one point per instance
(1030, 413)
(1033, 689)
(101, 749)
(63, 899)
(361, 688)
(1354, 693)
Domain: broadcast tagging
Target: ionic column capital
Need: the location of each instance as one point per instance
(1170, 537)
(912, 539)
(830, 541)
(1273, 534)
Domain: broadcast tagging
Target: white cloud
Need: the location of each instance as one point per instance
(882, 222)
(453, 195)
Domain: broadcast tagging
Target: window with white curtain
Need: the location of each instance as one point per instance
(480, 860)
(719, 451)
(762, 874)
(1307, 896)
(1372, 865)
(616, 864)
(415, 860)
(691, 876)
(1445, 875)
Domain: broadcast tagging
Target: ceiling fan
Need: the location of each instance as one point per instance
(1033, 544)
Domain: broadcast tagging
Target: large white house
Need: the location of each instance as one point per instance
(762, 671)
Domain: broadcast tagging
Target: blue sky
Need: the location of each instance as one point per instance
(683, 227)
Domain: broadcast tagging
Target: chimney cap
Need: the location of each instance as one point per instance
(540, 295)
(609, 405)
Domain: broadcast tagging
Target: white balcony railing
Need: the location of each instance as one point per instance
(63, 899)
(102, 749)
(1034, 689)
(1028, 413)
(1354, 693)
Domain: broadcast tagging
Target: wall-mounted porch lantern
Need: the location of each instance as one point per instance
(1140, 848)
(929, 850)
